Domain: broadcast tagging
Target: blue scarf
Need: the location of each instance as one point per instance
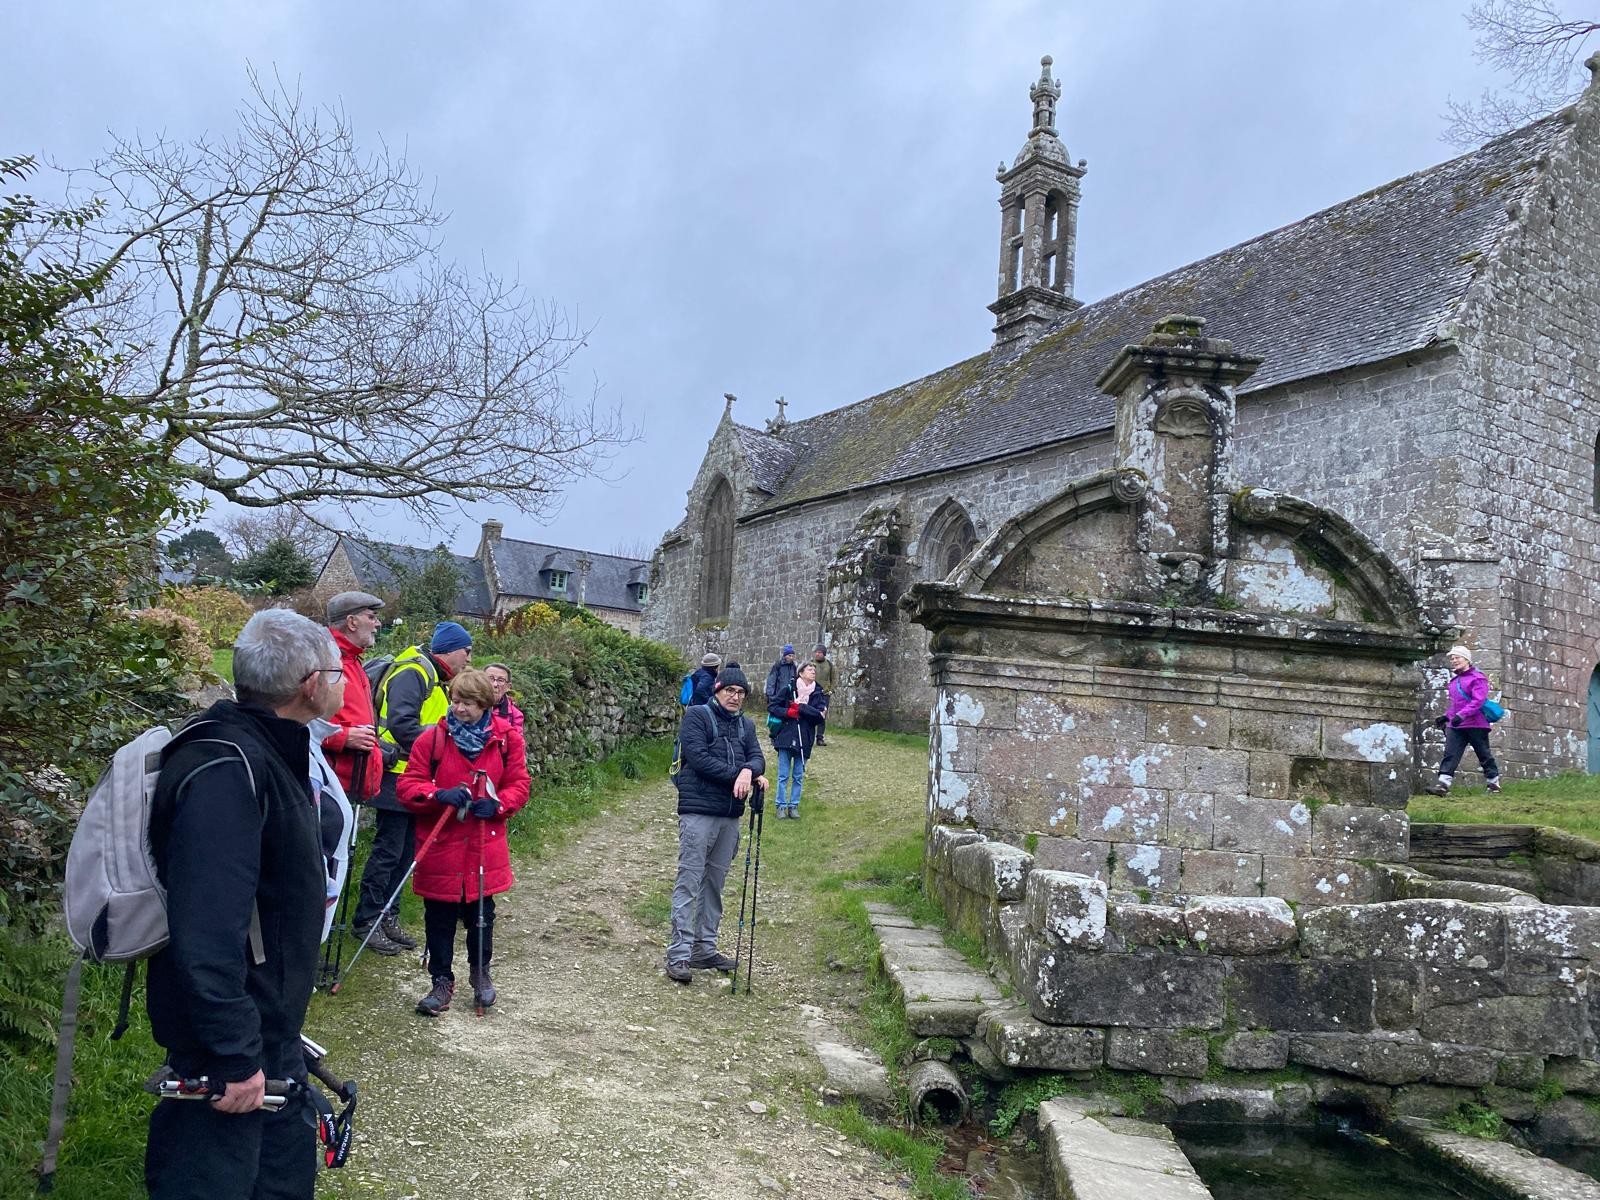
(469, 739)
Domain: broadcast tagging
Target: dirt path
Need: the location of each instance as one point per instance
(596, 1076)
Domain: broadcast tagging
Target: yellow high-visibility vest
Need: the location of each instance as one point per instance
(434, 705)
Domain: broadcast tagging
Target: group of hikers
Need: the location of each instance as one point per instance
(251, 830)
(252, 827)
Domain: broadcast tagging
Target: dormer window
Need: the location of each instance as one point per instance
(644, 592)
(558, 581)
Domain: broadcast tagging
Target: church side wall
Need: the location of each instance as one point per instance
(1526, 435)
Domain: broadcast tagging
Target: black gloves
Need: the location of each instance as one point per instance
(1455, 722)
(1440, 722)
(456, 797)
(758, 800)
(485, 808)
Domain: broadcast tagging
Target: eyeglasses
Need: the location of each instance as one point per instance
(336, 671)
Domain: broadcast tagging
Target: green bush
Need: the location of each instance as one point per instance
(218, 611)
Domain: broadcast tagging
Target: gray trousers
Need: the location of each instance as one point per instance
(706, 845)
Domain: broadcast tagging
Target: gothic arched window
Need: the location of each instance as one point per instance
(716, 555)
(948, 538)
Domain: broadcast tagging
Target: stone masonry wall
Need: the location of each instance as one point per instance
(1525, 430)
(1432, 991)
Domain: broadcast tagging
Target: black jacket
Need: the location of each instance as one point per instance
(781, 677)
(716, 745)
(702, 680)
(224, 854)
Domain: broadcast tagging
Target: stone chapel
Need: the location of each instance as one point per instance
(1430, 369)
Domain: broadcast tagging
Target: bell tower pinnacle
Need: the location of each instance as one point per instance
(1038, 225)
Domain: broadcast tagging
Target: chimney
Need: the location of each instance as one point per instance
(492, 531)
(583, 578)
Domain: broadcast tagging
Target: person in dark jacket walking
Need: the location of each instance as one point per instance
(722, 769)
(410, 698)
(703, 678)
(781, 677)
(1463, 722)
(234, 835)
(827, 678)
(799, 715)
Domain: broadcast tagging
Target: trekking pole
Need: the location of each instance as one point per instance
(755, 892)
(333, 989)
(744, 894)
(477, 992)
(335, 945)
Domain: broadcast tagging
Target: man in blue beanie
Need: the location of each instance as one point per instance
(782, 676)
(410, 698)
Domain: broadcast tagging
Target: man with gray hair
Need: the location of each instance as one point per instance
(234, 835)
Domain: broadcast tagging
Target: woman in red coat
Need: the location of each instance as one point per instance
(475, 763)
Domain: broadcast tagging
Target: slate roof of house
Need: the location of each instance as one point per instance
(1357, 283)
(375, 562)
(518, 566)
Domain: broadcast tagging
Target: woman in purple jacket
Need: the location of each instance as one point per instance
(1464, 723)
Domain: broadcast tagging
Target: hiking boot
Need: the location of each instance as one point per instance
(483, 993)
(1493, 785)
(679, 972)
(1439, 789)
(714, 961)
(438, 1000)
(380, 942)
(390, 926)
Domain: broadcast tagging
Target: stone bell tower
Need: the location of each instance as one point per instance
(1038, 225)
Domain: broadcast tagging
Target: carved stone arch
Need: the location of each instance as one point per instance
(1384, 594)
(716, 552)
(1003, 555)
(947, 538)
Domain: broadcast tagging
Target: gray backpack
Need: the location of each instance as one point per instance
(115, 906)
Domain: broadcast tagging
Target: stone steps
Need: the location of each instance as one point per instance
(944, 996)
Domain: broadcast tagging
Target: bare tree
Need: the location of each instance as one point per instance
(250, 533)
(633, 547)
(1538, 49)
(300, 339)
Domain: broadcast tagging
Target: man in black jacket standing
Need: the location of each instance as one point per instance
(234, 834)
(722, 768)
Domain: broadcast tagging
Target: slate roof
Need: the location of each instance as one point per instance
(374, 564)
(1357, 283)
(518, 566)
(770, 458)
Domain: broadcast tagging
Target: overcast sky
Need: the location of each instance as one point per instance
(777, 199)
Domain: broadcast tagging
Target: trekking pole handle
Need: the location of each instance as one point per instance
(278, 1091)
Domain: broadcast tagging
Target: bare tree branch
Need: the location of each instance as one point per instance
(300, 340)
(1539, 51)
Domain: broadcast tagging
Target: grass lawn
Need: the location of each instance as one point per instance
(1570, 802)
(222, 663)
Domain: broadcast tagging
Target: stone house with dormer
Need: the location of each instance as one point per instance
(1430, 369)
(501, 576)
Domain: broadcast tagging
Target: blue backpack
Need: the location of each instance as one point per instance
(686, 692)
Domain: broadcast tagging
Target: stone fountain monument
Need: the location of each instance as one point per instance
(1171, 748)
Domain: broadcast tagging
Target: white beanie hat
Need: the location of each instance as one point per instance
(1462, 652)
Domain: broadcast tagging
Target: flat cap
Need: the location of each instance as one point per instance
(345, 603)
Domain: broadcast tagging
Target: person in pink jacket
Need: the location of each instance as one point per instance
(1463, 722)
(474, 764)
(500, 675)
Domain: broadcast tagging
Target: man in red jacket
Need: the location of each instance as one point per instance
(353, 748)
